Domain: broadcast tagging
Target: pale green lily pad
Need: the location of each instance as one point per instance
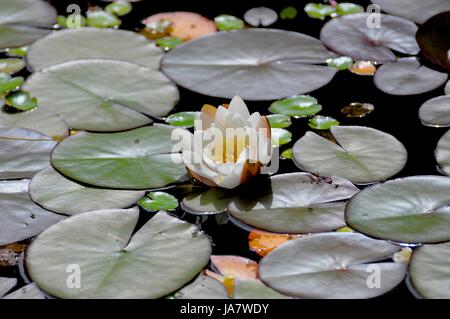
(38, 120)
(156, 201)
(168, 42)
(436, 112)
(341, 63)
(110, 258)
(136, 159)
(20, 218)
(344, 8)
(287, 154)
(406, 210)
(24, 152)
(210, 201)
(359, 155)
(64, 46)
(288, 13)
(319, 10)
(24, 21)
(30, 291)
(119, 8)
(429, 272)
(11, 65)
(97, 96)
(17, 52)
(320, 122)
(21, 101)
(297, 105)
(442, 153)
(279, 120)
(226, 22)
(295, 203)
(182, 119)
(102, 19)
(280, 136)
(58, 194)
(9, 84)
(332, 265)
(6, 284)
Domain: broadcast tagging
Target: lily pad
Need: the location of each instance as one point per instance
(296, 203)
(406, 210)
(280, 136)
(288, 13)
(58, 194)
(433, 39)
(98, 18)
(22, 22)
(11, 65)
(93, 43)
(443, 153)
(24, 152)
(21, 101)
(297, 105)
(119, 7)
(226, 22)
(436, 112)
(447, 88)
(6, 284)
(110, 258)
(8, 84)
(320, 122)
(30, 291)
(136, 159)
(207, 202)
(407, 77)
(344, 8)
(168, 42)
(279, 120)
(156, 201)
(332, 265)
(260, 16)
(17, 52)
(287, 154)
(97, 96)
(38, 120)
(416, 10)
(319, 10)
(287, 62)
(341, 63)
(359, 155)
(20, 218)
(429, 272)
(182, 119)
(351, 35)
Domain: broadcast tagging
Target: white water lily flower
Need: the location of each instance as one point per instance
(229, 146)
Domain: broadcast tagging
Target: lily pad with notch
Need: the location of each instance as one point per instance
(436, 112)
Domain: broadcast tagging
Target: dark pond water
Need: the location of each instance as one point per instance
(395, 115)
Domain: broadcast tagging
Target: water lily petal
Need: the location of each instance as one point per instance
(238, 106)
(206, 117)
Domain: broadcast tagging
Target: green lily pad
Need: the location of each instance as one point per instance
(279, 120)
(136, 159)
(280, 136)
(58, 194)
(97, 96)
(30, 291)
(64, 46)
(442, 153)
(21, 100)
(24, 152)
(332, 265)
(341, 63)
(436, 112)
(320, 122)
(406, 210)
(168, 42)
(9, 84)
(156, 201)
(291, 64)
(288, 13)
(319, 11)
(407, 77)
(429, 272)
(102, 19)
(24, 21)
(287, 154)
(182, 119)
(110, 258)
(73, 21)
(119, 8)
(359, 155)
(20, 218)
(297, 105)
(295, 203)
(344, 8)
(37, 120)
(260, 16)
(17, 52)
(226, 22)
(207, 202)
(11, 65)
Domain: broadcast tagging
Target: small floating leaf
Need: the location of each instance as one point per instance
(320, 122)
(168, 42)
(75, 21)
(263, 242)
(17, 52)
(280, 136)
(156, 201)
(288, 13)
(341, 63)
(260, 16)
(209, 201)
(119, 7)
(11, 65)
(344, 8)
(102, 19)
(226, 22)
(436, 112)
(156, 29)
(286, 154)
(279, 120)
(9, 84)
(21, 100)
(357, 109)
(319, 11)
(297, 105)
(363, 68)
(182, 119)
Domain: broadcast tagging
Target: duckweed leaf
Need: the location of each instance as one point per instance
(406, 210)
(64, 46)
(226, 22)
(136, 159)
(21, 100)
(290, 65)
(260, 16)
(359, 155)
(331, 265)
(407, 77)
(318, 10)
(58, 194)
(288, 13)
(297, 105)
(436, 112)
(111, 258)
(351, 35)
(102, 19)
(182, 119)
(320, 122)
(21, 218)
(11, 65)
(279, 120)
(119, 8)
(156, 201)
(97, 96)
(341, 63)
(344, 8)
(168, 42)
(296, 203)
